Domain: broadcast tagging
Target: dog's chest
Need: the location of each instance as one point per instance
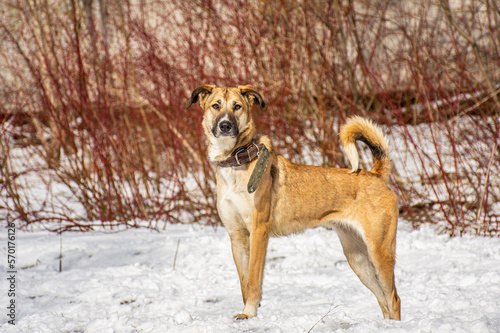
(234, 203)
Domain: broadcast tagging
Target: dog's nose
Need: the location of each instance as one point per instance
(225, 126)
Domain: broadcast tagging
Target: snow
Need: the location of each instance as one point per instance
(126, 282)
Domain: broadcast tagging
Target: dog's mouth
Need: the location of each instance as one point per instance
(225, 126)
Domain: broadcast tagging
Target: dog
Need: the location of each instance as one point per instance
(261, 194)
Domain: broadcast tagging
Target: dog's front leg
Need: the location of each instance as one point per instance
(240, 245)
(259, 239)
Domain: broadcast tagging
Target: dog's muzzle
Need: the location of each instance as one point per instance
(225, 126)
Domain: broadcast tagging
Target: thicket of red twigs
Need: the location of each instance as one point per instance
(91, 102)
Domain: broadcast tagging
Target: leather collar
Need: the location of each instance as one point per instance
(243, 155)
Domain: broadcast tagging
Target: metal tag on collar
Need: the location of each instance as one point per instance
(258, 171)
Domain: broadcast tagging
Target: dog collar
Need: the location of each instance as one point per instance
(243, 155)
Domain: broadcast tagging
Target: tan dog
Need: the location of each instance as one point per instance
(290, 198)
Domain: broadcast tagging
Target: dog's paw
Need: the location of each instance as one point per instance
(241, 316)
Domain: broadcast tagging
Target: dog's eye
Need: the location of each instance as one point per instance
(215, 106)
(237, 107)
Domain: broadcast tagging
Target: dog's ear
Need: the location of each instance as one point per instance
(195, 96)
(253, 95)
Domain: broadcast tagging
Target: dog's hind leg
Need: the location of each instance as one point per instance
(391, 305)
(383, 256)
(375, 268)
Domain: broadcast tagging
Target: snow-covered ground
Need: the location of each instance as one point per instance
(126, 282)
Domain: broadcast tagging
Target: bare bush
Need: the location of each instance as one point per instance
(91, 100)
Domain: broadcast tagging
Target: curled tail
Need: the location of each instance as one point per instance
(364, 130)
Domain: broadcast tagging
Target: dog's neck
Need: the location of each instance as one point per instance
(222, 148)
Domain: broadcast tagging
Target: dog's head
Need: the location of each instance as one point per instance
(227, 120)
